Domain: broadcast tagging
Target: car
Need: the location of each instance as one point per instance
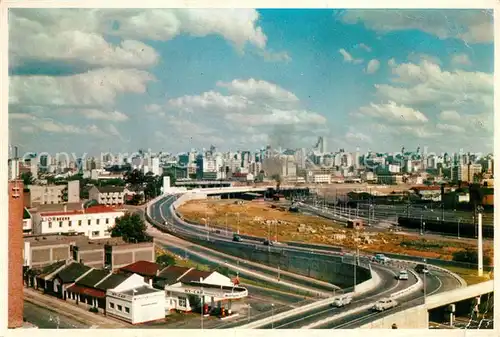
(384, 304)
(421, 269)
(341, 301)
(236, 238)
(268, 243)
(381, 258)
(403, 275)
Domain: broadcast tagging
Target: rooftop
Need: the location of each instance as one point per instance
(70, 206)
(91, 279)
(195, 275)
(87, 291)
(111, 282)
(171, 274)
(144, 268)
(110, 189)
(140, 291)
(90, 210)
(72, 272)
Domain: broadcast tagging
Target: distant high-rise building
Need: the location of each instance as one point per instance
(321, 145)
(74, 191)
(155, 166)
(465, 173)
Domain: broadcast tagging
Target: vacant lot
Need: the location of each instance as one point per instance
(268, 219)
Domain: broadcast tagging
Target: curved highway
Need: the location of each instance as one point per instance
(436, 282)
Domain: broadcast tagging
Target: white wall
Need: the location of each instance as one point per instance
(53, 224)
(134, 281)
(148, 307)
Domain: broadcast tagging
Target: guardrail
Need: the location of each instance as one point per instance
(361, 288)
(410, 289)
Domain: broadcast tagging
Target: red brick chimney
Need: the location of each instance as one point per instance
(16, 261)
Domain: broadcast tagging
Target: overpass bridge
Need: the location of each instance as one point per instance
(474, 301)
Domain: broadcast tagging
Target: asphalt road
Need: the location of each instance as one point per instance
(46, 319)
(435, 283)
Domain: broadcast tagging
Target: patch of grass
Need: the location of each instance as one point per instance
(470, 275)
(421, 244)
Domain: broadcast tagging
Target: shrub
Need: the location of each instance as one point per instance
(94, 310)
(470, 256)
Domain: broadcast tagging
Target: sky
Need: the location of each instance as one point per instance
(98, 80)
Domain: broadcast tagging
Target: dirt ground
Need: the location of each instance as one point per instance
(266, 219)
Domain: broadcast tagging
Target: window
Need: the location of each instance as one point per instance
(60, 224)
(107, 221)
(50, 224)
(79, 222)
(127, 310)
(97, 222)
(182, 302)
(111, 305)
(95, 233)
(120, 307)
(70, 223)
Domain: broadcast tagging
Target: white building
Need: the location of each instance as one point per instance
(322, 178)
(94, 222)
(155, 166)
(135, 301)
(107, 195)
(43, 195)
(74, 191)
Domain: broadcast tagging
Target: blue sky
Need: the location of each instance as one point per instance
(171, 80)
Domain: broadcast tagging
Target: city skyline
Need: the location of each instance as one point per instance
(373, 79)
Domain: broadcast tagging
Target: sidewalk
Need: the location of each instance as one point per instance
(72, 311)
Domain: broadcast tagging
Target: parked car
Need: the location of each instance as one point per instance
(268, 243)
(381, 258)
(385, 304)
(236, 238)
(421, 269)
(403, 275)
(341, 301)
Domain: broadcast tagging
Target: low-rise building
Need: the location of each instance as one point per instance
(120, 255)
(48, 194)
(95, 222)
(108, 195)
(27, 222)
(135, 301)
(322, 179)
(148, 270)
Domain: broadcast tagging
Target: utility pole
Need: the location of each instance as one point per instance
(238, 223)
(227, 233)
(479, 243)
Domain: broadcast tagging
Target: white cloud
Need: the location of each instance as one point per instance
(116, 116)
(353, 136)
(471, 26)
(460, 60)
(372, 66)
(392, 63)
(419, 57)
(153, 108)
(363, 46)
(449, 115)
(271, 56)
(259, 89)
(450, 128)
(209, 100)
(78, 35)
(427, 83)
(278, 117)
(348, 57)
(95, 87)
(392, 112)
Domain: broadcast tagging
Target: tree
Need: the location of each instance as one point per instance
(136, 199)
(165, 260)
(131, 228)
(27, 178)
(224, 271)
(470, 256)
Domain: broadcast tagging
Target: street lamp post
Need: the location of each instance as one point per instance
(249, 308)
(458, 227)
(238, 229)
(272, 315)
(425, 280)
(227, 233)
(421, 224)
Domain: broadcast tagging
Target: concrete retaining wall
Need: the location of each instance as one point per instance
(413, 318)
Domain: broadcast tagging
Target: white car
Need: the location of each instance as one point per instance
(385, 304)
(381, 258)
(341, 301)
(403, 275)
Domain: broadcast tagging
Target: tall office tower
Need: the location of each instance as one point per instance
(321, 145)
(15, 248)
